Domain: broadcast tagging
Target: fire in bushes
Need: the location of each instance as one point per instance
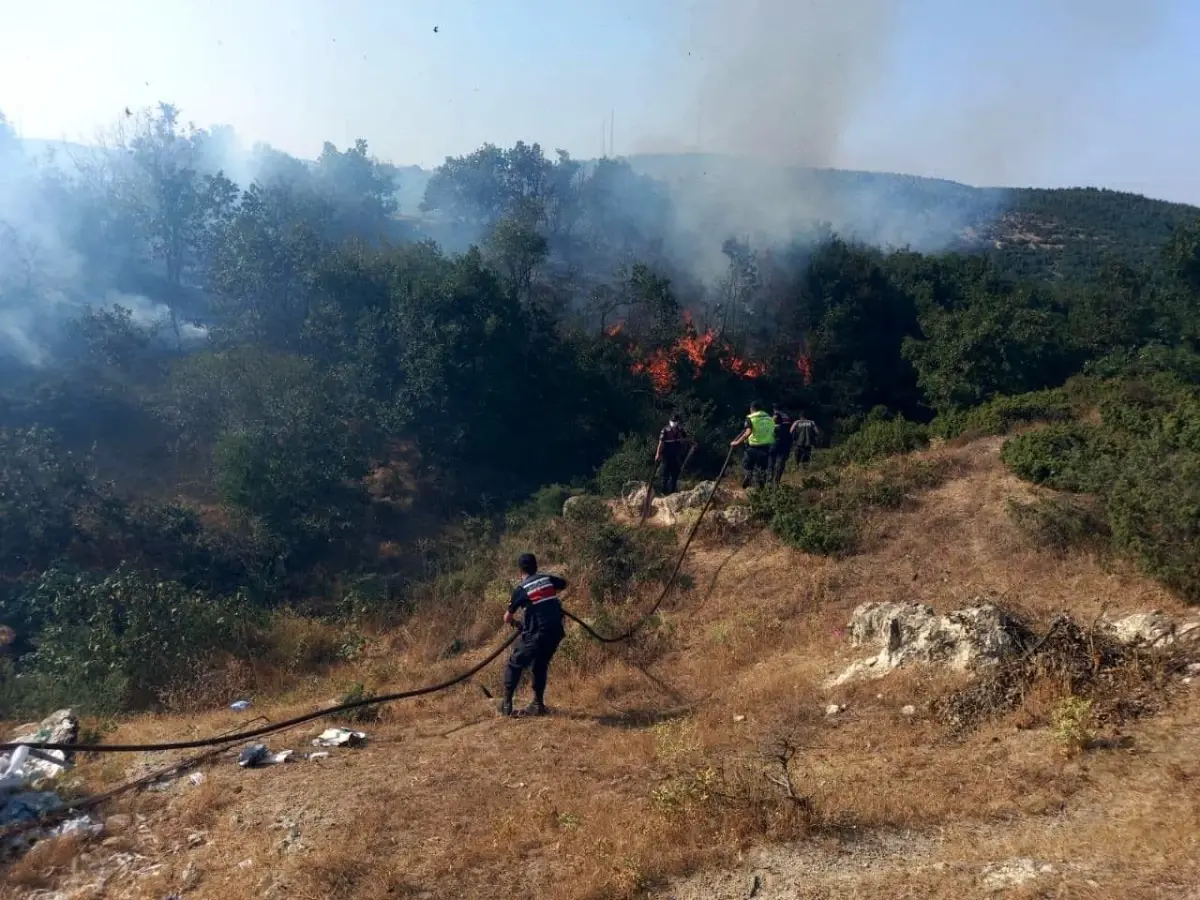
(698, 349)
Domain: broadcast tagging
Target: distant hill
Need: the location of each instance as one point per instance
(1064, 232)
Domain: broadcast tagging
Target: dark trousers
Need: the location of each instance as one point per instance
(672, 465)
(803, 455)
(754, 465)
(534, 652)
(778, 460)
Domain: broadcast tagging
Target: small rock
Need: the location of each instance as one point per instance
(739, 718)
(909, 710)
(246, 864)
(191, 877)
(833, 709)
(1012, 873)
(118, 824)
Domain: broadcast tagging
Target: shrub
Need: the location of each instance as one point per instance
(586, 510)
(617, 559)
(1000, 415)
(125, 632)
(302, 479)
(806, 520)
(1065, 456)
(631, 463)
(822, 514)
(1072, 725)
(878, 438)
(1154, 512)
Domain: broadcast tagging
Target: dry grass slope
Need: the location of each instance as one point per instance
(662, 778)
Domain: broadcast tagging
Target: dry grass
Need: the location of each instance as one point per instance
(665, 760)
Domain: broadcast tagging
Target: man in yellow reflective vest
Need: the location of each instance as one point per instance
(759, 436)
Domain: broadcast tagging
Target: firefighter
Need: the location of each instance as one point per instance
(782, 447)
(759, 436)
(541, 633)
(804, 435)
(673, 442)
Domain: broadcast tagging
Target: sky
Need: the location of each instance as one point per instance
(1022, 92)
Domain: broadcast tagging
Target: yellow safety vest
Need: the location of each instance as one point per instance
(762, 429)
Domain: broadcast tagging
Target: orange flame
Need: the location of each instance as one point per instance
(804, 364)
(695, 347)
(614, 330)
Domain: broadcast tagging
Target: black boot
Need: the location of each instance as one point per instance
(536, 708)
(506, 706)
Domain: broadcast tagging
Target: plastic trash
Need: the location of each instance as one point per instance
(82, 825)
(340, 737)
(13, 776)
(318, 754)
(257, 755)
(240, 705)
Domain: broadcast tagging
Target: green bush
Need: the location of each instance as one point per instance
(806, 520)
(302, 479)
(618, 559)
(879, 438)
(631, 463)
(1142, 461)
(120, 639)
(1154, 511)
(1000, 415)
(1065, 456)
(585, 509)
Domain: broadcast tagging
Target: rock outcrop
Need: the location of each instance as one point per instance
(667, 510)
(908, 633)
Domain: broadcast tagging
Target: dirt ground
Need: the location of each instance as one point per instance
(657, 775)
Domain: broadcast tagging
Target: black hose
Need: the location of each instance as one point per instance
(227, 739)
(633, 629)
(221, 740)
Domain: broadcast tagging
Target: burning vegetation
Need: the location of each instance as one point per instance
(698, 349)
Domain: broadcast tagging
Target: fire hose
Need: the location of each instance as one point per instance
(225, 740)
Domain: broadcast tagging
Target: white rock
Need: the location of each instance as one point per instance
(734, 516)
(833, 709)
(1013, 873)
(1151, 629)
(908, 633)
(909, 710)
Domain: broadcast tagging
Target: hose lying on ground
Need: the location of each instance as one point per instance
(227, 739)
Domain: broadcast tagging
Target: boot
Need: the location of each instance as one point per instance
(536, 708)
(506, 706)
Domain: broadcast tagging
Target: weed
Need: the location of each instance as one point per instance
(1071, 724)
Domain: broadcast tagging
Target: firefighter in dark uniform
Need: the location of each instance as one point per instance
(541, 633)
(804, 435)
(673, 442)
(759, 436)
(782, 446)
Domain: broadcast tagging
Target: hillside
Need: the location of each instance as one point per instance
(654, 776)
(1035, 232)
